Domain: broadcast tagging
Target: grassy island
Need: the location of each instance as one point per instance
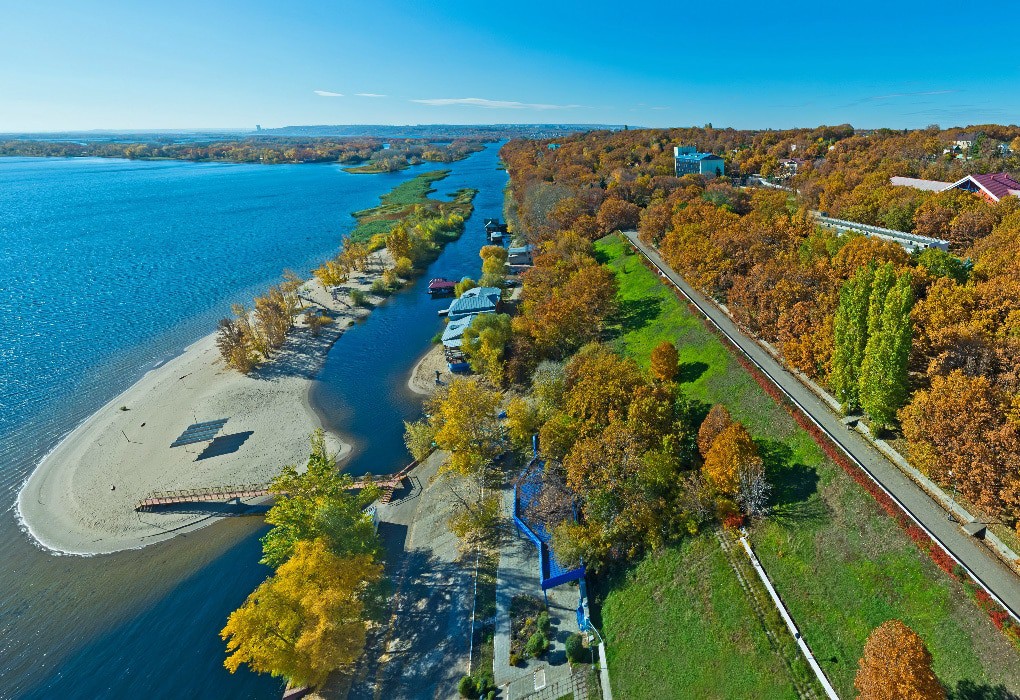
(400, 202)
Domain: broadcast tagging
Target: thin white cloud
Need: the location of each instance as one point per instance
(368, 94)
(488, 104)
(912, 94)
(327, 93)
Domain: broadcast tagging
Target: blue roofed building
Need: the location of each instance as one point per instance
(478, 300)
(689, 161)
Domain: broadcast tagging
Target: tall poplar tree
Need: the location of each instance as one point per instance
(850, 337)
(884, 387)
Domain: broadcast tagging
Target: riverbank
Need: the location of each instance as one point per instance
(422, 379)
(81, 498)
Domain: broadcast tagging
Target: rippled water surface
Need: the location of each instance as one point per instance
(108, 267)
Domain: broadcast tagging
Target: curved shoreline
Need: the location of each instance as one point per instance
(67, 505)
(422, 379)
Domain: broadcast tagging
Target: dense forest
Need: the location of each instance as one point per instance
(925, 347)
(381, 155)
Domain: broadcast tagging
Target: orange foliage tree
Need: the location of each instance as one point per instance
(896, 665)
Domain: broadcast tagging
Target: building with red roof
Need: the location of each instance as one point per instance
(992, 186)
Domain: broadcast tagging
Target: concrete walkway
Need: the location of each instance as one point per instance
(518, 574)
(983, 565)
(422, 652)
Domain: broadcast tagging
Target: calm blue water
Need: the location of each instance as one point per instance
(108, 267)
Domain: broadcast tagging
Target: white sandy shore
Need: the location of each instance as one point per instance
(68, 504)
(423, 377)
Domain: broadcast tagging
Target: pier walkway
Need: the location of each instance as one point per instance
(388, 483)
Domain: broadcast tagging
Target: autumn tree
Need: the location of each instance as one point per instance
(306, 620)
(665, 362)
(896, 665)
(463, 418)
(318, 504)
(717, 420)
(418, 437)
(617, 215)
(733, 453)
(959, 435)
(484, 343)
(463, 286)
(599, 383)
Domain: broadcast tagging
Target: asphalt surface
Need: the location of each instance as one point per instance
(998, 580)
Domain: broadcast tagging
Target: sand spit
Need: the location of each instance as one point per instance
(81, 498)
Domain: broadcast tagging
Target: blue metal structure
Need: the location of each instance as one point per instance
(527, 488)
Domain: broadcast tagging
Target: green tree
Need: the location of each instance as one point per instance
(318, 503)
(884, 382)
(850, 337)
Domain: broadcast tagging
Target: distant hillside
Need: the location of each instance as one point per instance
(440, 132)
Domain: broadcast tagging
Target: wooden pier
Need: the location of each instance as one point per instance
(388, 483)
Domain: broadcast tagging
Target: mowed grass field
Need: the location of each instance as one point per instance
(841, 565)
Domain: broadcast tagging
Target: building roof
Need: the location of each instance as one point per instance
(475, 301)
(454, 331)
(919, 184)
(441, 283)
(995, 185)
(694, 157)
(519, 250)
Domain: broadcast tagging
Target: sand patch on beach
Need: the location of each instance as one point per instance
(81, 499)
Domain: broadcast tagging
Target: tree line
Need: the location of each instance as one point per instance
(924, 345)
(395, 154)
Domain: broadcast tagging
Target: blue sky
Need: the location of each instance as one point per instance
(222, 63)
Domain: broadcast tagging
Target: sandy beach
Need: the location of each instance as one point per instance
(423, 376)
(81, 498)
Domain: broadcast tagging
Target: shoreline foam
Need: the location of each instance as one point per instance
(67, 506)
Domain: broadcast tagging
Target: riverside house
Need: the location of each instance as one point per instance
(479, 300)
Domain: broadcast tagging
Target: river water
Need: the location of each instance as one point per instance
(108, 267)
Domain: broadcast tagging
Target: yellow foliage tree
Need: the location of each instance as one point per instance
(733, 453)
(463, 420)
(307, 620)
(896, 666)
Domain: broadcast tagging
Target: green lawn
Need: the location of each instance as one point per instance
(841, 565)
(680, 626)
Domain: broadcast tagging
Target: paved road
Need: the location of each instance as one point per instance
(997, 579)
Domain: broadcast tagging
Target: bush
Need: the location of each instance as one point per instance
(543, 624)
(576, 653)
(403, 268)
(380, 288)
(467, 688)
(515, 659)
(538, 645)
(358, 297)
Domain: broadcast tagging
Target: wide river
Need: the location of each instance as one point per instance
(108, 268)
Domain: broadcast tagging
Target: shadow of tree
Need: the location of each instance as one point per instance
(794, 485)
(690, 371)
(634, 314)
(969, 690)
